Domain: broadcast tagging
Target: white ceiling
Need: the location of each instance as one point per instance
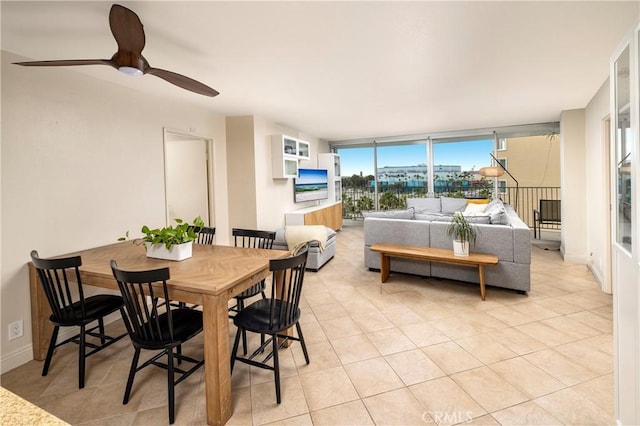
(346, 70)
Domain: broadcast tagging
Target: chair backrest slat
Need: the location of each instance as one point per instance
(146, 299)
(252, 238)
(206, 235)
(58, 286)
(286, 288)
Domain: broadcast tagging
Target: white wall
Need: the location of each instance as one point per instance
(82, 162)
(597, 181)
(275, 196)
(256, 200)
(573, 186)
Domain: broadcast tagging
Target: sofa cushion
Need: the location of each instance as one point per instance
(473, 209)
(424, 205)
(428, 216)
(452, 205)
(498, 214)
(390, 214)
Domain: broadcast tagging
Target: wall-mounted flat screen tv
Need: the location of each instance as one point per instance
(311, 185)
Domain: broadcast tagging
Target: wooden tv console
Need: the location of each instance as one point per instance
(329, 215)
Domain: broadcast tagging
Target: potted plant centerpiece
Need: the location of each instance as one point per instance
(170, 242)
(463, 233)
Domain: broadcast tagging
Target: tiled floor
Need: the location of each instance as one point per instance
(416, 351)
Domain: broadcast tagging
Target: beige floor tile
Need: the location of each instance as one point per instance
(485, 348)
(302, 420)
(423, 334)
(321, 357)
(594, 320)
(127, 419)
(604, 311)
(516, 340)
(446, 402)
(578, 300)
(534, 311)
(372, 321)
(571, 408)
(340, 327)
(397, 407)
(486, 420)
(559, 366)
(583, 354)
(525, 376)
(373, 376)
(546, 334)
(558, 306)
(599, 391)
(326, 388)
(264, 408)
(451, 358)
(400, 315)
(527, 413)
(354, 348)
(509, 315)
(318, 297)
(603, 342)
(414, 366)
(488, 389)
(313, 332)
(329, 311)
(390, 341)
(287, 367)
(575, 329)
(351, 413)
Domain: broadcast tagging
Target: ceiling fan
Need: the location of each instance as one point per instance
(129, 34)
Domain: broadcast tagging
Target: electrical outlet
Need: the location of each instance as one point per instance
(15, 330)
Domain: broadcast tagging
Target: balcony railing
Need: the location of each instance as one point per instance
(355, 200)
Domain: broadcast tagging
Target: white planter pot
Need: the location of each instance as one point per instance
(176, 252)
(460, 248)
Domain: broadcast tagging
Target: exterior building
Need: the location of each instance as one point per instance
(534, 161)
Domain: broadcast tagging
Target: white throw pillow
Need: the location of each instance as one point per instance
(474, 209)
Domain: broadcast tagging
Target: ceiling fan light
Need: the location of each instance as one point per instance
(130, 70)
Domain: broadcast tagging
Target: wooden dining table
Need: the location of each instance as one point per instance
(212, 276)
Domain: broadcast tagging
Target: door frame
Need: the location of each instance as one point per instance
(167, 134)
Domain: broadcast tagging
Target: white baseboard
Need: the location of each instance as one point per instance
(25, 354)
(16, 359)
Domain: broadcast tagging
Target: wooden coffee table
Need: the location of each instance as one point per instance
(387, 251)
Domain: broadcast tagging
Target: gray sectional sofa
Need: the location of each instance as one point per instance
(425, 222)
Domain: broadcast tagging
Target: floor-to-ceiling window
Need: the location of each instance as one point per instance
(456, 166)
(381, 173)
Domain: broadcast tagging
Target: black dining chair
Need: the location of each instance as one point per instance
(250, 238)
(206, 235)
(274, 315)
(153, 325)
(62, 285)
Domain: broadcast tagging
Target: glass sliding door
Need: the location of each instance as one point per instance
(358, 180)
(456, 165)
(401, 172)
(623, 145)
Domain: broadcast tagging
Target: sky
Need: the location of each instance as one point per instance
(468, 154)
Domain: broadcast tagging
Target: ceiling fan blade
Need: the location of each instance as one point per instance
(127, 29)
(66, 63)
(182, 81)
